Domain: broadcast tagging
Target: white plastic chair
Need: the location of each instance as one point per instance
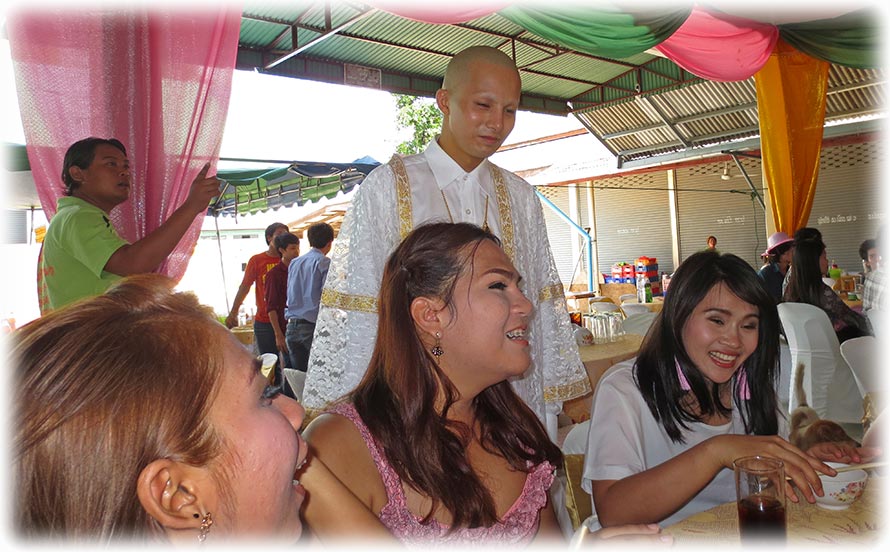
(876, 319)
(634, 308)
(638, 324)
(627, 298)
(784, 390)
(296, 379)
(828, 381)
(861, 353)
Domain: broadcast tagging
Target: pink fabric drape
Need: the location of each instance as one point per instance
(159, 80)
(439, 12)
(720, 47)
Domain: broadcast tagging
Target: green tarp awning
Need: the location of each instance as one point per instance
(249, 191)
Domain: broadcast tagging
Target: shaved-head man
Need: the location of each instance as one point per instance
(478, 99)
(452, 180)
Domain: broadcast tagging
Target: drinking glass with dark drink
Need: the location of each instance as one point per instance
(760, 494)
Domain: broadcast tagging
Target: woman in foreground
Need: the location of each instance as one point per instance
(139, 417)
(434, 441)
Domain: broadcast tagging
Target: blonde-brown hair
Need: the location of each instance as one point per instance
(102, 388)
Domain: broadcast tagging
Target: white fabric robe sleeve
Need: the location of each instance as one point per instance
(557, 373)
(347, 320)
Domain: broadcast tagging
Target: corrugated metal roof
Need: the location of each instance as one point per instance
(709, 113)
(640, 108)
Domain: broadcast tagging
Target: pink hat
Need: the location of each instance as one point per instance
(775, 241)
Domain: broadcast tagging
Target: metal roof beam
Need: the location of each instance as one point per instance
(748, 143)
(560, 77)
(693, 144)
(391, 44)
(734, 131)
(649, 148)
(599, 139)
(661, 116)
(630, 131)
(856, 86)
(715, 113)
(263, 19)
(324, 36)
(547, 48)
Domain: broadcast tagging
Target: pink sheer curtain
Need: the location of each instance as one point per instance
(159, 80)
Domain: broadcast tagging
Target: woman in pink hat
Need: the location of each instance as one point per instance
(779, 248)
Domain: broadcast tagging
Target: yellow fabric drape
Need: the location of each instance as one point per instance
(791, 91)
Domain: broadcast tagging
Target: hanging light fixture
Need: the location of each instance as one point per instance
(725, 175)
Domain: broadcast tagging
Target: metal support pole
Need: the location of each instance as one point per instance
(578, 229)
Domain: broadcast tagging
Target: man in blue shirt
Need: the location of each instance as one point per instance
(305, 280)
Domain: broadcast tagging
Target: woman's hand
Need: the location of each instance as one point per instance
(800, 467)
(843, 452)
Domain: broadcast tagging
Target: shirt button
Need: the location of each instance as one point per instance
(468, 211)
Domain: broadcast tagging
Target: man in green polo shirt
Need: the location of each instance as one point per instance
(82, 254)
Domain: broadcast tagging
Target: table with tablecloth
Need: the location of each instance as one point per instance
(861, 523)
(597, 359)
(656, 304)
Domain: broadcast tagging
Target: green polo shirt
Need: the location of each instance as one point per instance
(79, 241)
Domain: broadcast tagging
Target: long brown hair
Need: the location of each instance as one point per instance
(398, 396)
(102, 388)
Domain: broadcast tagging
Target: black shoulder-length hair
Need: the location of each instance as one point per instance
(655, 370)
(805, 283)
(397, 398)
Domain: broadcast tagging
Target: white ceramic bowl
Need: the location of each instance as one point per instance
(843, 489)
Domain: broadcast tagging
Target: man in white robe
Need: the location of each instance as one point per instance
(451, 181)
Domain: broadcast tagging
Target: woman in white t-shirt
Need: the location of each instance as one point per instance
(701, 393)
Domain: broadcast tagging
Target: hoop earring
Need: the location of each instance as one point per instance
(206, 523)
(437, 348)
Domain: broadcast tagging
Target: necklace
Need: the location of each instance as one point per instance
(447, 208)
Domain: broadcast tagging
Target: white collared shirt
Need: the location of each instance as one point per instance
(465, 192)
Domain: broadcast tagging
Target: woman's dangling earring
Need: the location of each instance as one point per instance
(206, 523)
(437, 348)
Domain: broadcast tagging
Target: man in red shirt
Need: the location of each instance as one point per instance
(255, 275)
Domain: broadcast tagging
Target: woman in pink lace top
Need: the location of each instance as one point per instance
(434, 440)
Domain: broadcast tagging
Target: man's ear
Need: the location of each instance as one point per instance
(429, 315)
(442, 99)
(76, 173)
(176, 495)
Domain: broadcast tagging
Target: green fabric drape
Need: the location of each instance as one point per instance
(853, 39)
(791, 94)
(598, 31)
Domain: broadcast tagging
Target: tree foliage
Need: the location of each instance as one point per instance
(420, 115)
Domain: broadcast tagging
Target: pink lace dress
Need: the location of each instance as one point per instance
(518, 526)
